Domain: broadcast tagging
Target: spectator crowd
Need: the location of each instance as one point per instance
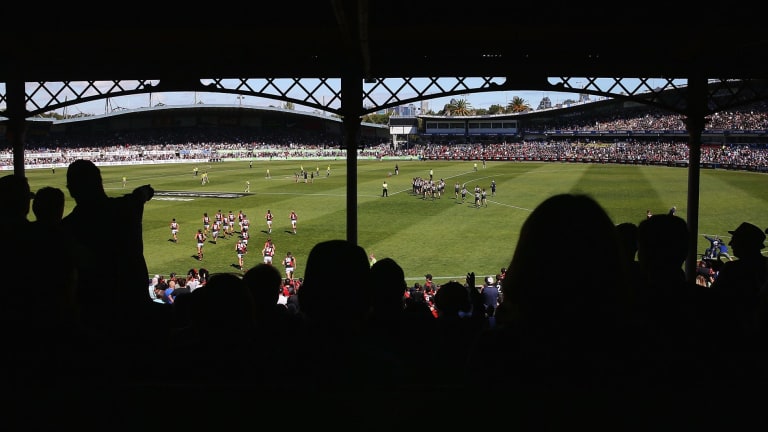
(224, 143)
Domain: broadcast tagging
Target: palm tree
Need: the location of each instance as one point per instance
(518, 105)
(458, 107)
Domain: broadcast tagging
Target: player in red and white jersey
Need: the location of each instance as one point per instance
(246, 224)
(215, 230)
(230, 223)
(289, 262)
(200, 241)
(175, 230)
(241, 250)
(268, 251)
(294, 219)
(219, 216)
(269, 218)
(206, 223)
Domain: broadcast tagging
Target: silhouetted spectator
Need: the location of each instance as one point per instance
(37, 314)
(274, 327)
(335, 298)
(35, 252)
(388, 288)
(397, 342)
(48, 207)
(563, 329)
(454, 335)
(738, 283)
(121, 311)
(673, 313)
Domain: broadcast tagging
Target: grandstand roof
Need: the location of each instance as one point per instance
(524, 40)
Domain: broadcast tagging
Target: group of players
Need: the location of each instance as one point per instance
(223, 226)
(430, 189)
(481, 195)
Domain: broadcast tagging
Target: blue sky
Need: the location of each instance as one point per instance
(323, 91)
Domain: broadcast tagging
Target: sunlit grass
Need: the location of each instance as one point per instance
(443, 237)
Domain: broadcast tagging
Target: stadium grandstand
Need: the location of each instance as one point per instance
(602, 131)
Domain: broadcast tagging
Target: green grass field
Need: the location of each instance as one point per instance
(443, 237)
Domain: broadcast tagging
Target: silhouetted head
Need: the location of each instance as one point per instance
(336, 283)
(264, 283)
(662, 242)
(15, 196)
(388, 284)
(84, 180)
(590, 290)
(747, 238)
(48, 205)
(452, 298)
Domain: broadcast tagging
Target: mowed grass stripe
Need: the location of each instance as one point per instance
(747, 192)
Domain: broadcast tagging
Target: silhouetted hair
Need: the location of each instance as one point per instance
(264, 283)
(84, 179)
(662, 238)
(387, 283)
(451, 298)
(48, 205)
(333, 268)
(15, 194)
(542, 286)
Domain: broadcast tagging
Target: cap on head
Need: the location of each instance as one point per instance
(749, 235)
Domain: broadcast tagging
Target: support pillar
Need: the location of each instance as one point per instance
(17, 123)
(697, 106)
(351, 107)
